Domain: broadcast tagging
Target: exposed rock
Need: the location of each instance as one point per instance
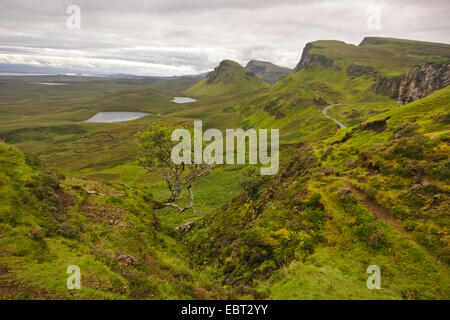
(185, 227)
(422, 80)
(354, 70)
(387, 86)
(377, 125)
(416, 84)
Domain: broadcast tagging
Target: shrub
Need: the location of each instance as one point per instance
(369, 233)
(67, 230)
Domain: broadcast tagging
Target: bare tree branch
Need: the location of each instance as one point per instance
(154, 154)
(177, 207)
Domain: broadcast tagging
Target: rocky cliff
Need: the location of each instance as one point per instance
(387, 86)
(308, 58)
(417, 83)
(422, 80)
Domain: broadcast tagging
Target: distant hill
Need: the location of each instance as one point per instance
(379, 70)
(388, 56)
(267, 71)
(228, 77)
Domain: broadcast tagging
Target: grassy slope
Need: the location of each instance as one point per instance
(317, 244)
(388, 56)
(297, 253)
(353, 114)
(47, 224)
(323, 251)
(405, 167)
(293, 103)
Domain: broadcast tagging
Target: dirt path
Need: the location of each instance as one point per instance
(378, 211)
(324, 111)
(10, 288)
(382, 213)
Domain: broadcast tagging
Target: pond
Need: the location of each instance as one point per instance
(116, 116)
(182, 100)
(51, 83)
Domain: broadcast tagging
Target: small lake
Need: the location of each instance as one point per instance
(182, 100)
(116, 116)
(51, 83)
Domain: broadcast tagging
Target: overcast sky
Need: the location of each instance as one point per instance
(175, 37)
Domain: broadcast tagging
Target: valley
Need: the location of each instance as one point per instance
(362, 180)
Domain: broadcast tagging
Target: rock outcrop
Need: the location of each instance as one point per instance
(387, 86)
(416, 84)
(354, 70)
(185, 227)
(308, 59)
(422, 80)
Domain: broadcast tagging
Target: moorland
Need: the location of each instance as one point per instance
(373, 193)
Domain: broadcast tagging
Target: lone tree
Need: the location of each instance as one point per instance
(154, 154)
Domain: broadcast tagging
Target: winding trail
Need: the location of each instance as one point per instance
(382, 213)
(324, 111)
(378, 211)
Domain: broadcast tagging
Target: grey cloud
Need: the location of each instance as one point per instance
(173, 37)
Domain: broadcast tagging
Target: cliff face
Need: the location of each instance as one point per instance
(308, 59)
(417, 83)
(387, 86)
(422, 80)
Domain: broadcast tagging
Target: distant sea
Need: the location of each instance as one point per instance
(49, 74)
(25, 74)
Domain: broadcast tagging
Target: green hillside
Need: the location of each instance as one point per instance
(379, 196)
(374, 193)
(267, 71)
(228, 78)
(48, 222)
(332, 72)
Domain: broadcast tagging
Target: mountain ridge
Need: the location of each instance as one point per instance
(267, 71)
(229, 77)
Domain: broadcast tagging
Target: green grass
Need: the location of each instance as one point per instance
(43, 232)
(389, 56)
(291, 236)
(354, 114)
